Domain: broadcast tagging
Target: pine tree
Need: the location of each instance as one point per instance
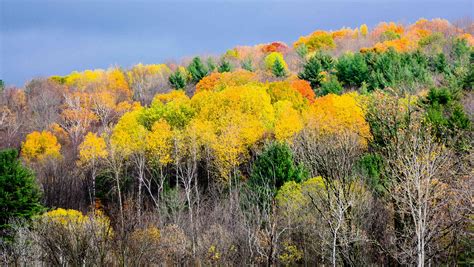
(197, 70)
(247, 65)
(278, 69)
(177, 80)
(19, 193)
(224, 66)
(312, 72)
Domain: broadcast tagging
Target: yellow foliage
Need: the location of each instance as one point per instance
(40, 146)
(92, 148)
(218, 81)
(76, 221)
(364, 30)
(333, 114)
(129, 136)
(159, 143)
(272, 58)
(174, 95)
(288, 121)
(279, 91)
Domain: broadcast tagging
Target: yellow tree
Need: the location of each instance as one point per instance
(159, 149)
(91, 151)
(240, 116)
(129, 137)
(40, 146)
(288, 121)
(364, 30)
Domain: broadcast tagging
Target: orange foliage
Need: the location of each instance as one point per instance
(304, 88)
(403, 44)
(275, 47)
(219, 81)
(387, 27)
(317, 40)
(333, 114)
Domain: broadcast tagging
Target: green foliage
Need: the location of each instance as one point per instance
(460, 50)
(2, 85)
(177, 80)
(312, 72)
(211, 66)
(393, 69)
(389, 35)
(274, 167)
(468, 81)
(278, 69)
(224, 66)
(302, 50)
(371, 167)
(352, 70)
(19, 193)
(326, 60)
(446, 115)
(248, 65)
(332, 86)
(197, 70)
(440, 64)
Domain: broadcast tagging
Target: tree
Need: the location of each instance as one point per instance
(19, 194)
(275, 166)
(146, 80)
(177, 80)
(417, 164)
(272, 58)
(224, 66)
(312, 72)
(40, 146)
(278, 69)
(332, 86)
(91, 151)
(352, 70)
(247, 65)
(364, 30)
(197, 69)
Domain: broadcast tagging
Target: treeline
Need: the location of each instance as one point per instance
(353, 147)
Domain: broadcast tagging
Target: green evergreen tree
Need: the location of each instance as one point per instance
(302, 50)
(211, 66)
(312, 72)
(19, 194)
(247, 65)
(224, 66)
(352, 70)
(197, 70)
(274, 167)
(278, 69)
(332, 86)
(177, 80)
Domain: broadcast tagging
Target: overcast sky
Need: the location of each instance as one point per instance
(43, 38)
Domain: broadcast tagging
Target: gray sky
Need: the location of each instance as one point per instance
(43, 38)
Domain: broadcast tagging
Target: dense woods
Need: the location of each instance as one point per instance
(350, 147)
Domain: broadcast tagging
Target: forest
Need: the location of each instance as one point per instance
(350, 147)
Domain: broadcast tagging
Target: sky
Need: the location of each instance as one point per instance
(46, 37)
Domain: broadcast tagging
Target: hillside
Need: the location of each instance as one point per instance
(346, 147)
